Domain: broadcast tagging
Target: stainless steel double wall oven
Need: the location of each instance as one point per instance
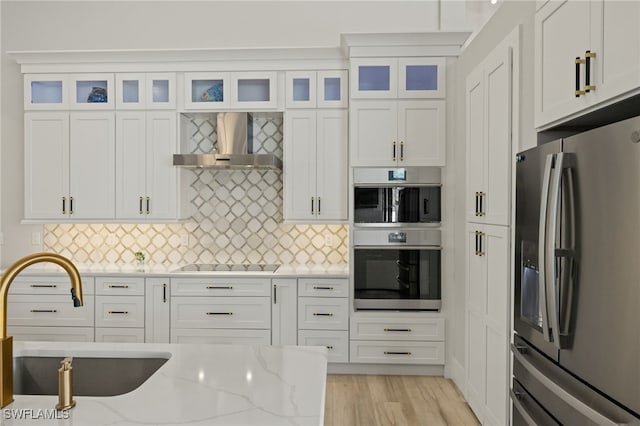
(396, 238)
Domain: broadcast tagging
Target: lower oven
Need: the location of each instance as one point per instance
(397, 269)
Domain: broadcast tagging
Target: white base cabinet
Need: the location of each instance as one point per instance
(157, 310)
(336, 342)
(120, 335)
(51, 334)
(284, 311)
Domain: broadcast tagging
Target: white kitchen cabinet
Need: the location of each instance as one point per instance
(316, 89)
(40, 308)
(489, 129)
(236, 90)
(69, 165)
(91, 91)
(391, 352)
(120, 311)
(220, 307)
(284, 306)
(315, 165)
(145, 90)
(336, 342)
(46, 91)
(378, 78)
(598, 39)
(157, 310)
(487, 329)
(119, 335)
(390, 133)
(146, 180)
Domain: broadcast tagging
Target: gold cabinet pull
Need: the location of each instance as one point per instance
(401, 150)
(148, 205)
(219, 287)
(406, 330)
(322, 314)
(319, 206)
(70, 205)
(118, 286)
(219, 313)
(579, 61)
(322, 287)
(588, 55)
(394, 150)
(330, 347)
(397, 353)
(118, 312)
(164, 293)
(44, 311)
(312, 203)
(43, 286)
(64, 205)
(140, 206)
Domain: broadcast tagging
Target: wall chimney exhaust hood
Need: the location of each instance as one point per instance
(232, 148)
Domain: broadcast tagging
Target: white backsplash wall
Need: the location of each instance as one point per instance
(237, 216)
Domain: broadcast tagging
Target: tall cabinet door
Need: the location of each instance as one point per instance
(156, 310)
(331, 155)
(475, 141)
(562, 35)
(300, 165)
(130, 164)
(46, 164)
(284, 312)
(373, 133)
(161, 175)
(487, 290)
(92, 165)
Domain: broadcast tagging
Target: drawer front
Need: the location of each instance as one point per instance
(114, 286)
(221, 312)
(58, 284)
(119, 311)
(220, 287)
(323, 313)
(49, 310)
(120, 335)
(323, 287)
(422, 329)
(377, 352)
(242, 337)
(336, 342)
(51, 334)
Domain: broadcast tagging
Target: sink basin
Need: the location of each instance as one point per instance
(38, 375)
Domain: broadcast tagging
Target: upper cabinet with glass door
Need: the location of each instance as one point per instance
(316, 89)
(380, 78)
(68, 91)
(145, 91)
(91, 91)
(235, 90)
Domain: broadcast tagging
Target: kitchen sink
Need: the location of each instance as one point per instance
(38, 375)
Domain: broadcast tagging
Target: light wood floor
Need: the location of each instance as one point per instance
(354, 400)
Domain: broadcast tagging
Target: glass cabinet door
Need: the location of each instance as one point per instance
(46, 91)
(374, 78)
(300, 91)
(421, 78)
(145, 91)
(92, 91)
(205, 90)
(130, 91)
(160, 90)
(332, 89)
(253, 90)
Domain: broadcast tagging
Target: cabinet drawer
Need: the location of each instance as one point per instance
(323, 287)
(119, 311)
(120, 335)
(378, 352)
(220, 287)
(423, 329)
(221, 312)
(337, 342)
(242, 337)
(48, 285)
(49, 310)
(51, 334)
(113, 286)
(323, 313)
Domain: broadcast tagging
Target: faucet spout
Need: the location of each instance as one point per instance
(6, 342)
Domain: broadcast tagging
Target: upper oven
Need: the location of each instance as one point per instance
(405, 196)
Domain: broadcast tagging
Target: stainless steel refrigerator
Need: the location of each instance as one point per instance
(576, 347)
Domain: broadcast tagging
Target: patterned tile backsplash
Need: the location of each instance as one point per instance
(237, 216)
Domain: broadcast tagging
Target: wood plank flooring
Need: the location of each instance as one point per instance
(354, 400)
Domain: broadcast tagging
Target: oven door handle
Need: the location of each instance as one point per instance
(396, 246)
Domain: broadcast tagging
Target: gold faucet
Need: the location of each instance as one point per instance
(6, 342)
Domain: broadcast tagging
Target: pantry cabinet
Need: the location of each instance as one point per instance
(69, 165)
(487, 331)
(489, 129)
(586, 53)
(391, 133)
(315, 165)
(146, 180)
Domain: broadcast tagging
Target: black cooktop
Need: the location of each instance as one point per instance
(216, 267)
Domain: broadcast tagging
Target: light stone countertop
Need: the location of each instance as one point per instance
(200, 384)
(283, 271)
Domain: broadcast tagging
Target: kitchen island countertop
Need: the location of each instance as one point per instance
(200, 384)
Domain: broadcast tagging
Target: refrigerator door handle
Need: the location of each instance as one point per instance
(515, 398)
(542, 246)
(558, 391)
(550, 249)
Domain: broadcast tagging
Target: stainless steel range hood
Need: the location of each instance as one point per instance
(232, 148)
